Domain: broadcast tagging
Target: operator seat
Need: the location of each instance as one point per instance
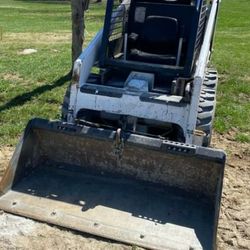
(157, 41)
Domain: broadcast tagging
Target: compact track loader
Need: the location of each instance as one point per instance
(130, 158)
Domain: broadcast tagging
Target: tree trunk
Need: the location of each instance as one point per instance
(77, 8)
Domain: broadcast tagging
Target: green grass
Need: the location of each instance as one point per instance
(232, 60)
(34, 85)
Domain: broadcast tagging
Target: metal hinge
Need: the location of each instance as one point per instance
(119, 144)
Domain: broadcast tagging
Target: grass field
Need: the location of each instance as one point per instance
(34, 85)
(232, 60)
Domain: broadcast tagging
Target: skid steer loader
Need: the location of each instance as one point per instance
(130, 158)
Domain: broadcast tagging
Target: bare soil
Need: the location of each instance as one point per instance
(37, 38)
(5, 155)
(234, 223)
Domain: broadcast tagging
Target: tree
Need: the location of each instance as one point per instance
(78, 8)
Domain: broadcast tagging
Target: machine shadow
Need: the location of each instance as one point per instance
(147, 201)
(26, 97)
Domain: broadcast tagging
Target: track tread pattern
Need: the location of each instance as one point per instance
(207, 105)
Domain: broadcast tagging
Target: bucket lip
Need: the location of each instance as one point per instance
(215, 155)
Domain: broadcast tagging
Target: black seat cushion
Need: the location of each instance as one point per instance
(156, 42)
(138, 55)
(159, 35)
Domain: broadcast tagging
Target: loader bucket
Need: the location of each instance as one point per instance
(144, 191)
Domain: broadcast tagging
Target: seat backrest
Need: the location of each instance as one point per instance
(159, 35)
(189, 18)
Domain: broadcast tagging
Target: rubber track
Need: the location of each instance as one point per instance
(207, 105)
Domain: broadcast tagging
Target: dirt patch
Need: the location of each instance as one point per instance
(234, 224)
(5, 155)
(37, 37)
(245, 78)
(13, 77)
(42, 38)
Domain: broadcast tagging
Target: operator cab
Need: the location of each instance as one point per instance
(161, 37)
